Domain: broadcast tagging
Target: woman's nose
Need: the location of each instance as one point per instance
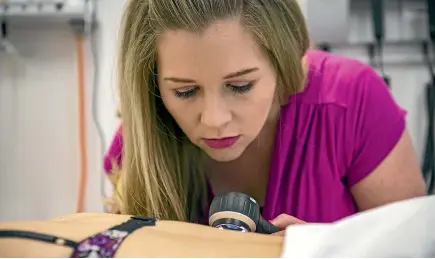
(215, 113)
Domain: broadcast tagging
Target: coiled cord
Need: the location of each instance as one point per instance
(428, 167)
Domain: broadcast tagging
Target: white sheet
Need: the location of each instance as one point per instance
(401, 229)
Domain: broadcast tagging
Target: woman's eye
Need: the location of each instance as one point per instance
(191, 91)
(186, 93)
(240, 89)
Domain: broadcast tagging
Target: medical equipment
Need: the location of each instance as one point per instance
(375, 50)
(239, 212)
(429, 163)
(428, 167)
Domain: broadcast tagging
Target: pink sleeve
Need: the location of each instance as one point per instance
(114, 154)
(375, 122)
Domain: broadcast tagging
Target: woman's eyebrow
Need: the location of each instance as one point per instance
(241, 72)
(231, 75)
(179, 80)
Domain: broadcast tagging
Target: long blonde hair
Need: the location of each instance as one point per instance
(161, 168)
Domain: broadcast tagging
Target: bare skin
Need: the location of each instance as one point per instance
(166, 239)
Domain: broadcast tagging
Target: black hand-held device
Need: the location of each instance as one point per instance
(239, 212)
(431, 18)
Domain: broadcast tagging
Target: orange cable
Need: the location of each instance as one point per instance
(82, 123)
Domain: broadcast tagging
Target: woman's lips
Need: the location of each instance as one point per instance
(221, 143)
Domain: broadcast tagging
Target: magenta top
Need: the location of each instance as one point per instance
(330, 136)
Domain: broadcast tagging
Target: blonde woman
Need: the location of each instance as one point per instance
(225, 95)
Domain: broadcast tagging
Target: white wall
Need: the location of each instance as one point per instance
(39, 162)
(39, 151)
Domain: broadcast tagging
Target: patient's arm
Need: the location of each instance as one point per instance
(166, 239)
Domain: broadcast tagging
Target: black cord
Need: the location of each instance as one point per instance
(4, 30)
(324, 46)
(380, 63)
(375, 53)
(429, 162)
(380, 55)
(428, 167)
(371, 51)
(376, 50)
(427, 56)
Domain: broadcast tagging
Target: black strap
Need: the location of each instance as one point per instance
(134, 223)
(39, 237)
(129, 226)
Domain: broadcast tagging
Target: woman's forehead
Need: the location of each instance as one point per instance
(223, 47)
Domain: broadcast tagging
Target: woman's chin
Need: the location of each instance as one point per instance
(224, 154)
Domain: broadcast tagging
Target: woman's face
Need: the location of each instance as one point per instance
(218, 86)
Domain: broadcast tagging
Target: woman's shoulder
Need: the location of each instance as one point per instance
(345, 86)
(349, 104)
(338, 80)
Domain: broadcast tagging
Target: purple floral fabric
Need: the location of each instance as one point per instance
(101, 245)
